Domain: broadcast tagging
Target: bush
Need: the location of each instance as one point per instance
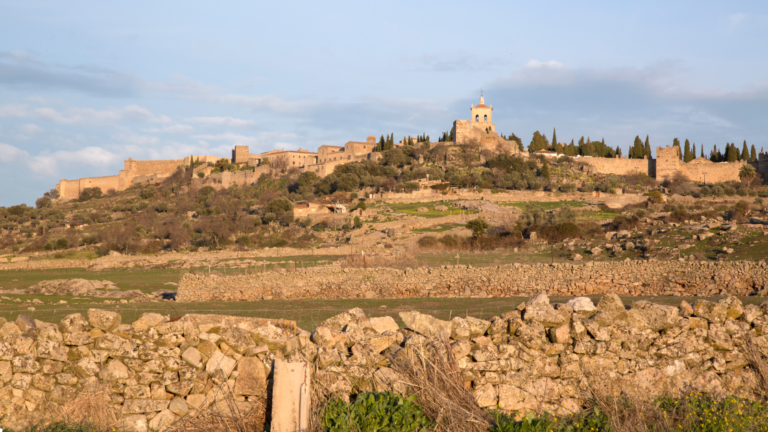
(90, 193)
(679, 214)
(358, 223)
(427, 241)
(655, 197)
(568, 187)
(372, 412)
(88, 239)
(269, 218)
(739, 211)
(556, 233)
(622, 222)
(147, 193)
(43, 202)
(62, 243)
(200, 174)
(477, 226)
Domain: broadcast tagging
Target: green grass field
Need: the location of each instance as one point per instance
(438, 228)
(432, 213)
(546, 205)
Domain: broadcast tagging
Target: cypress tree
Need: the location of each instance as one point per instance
(732, 154)
(637, 151)
(554, 138)
(618, 151)
(687, 155)
(647, 149)
(745, 152)
(693, 152)
(380, 146)
(753, 154)
(702, 150)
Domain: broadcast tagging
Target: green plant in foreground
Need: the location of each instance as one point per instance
(60, 427)
(594, 421)
(376, 412)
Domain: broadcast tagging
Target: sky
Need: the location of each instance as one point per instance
(85, 85)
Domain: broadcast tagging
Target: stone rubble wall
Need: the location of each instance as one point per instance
(536, 357)
(636, 278)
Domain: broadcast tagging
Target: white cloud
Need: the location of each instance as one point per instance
(31, 128)
(222, 121)
(9, 153)
(13, 111)
(136, 139)
(47, 163)
(234, 138)
(552, 64)
(73, 116)
(177, 128)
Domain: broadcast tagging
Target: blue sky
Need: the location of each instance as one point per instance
(85, 84)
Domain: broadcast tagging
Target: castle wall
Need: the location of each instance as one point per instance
(618, 166)
(105, 183)
(68, 189)
(702, 169)
(461, 132)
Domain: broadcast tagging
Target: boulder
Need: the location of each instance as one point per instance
(658, 317)
(610, 303)
(383, 324)
(133, 423)
(147, 321)
(251, 377)
(162, 421)
(338, 322)
(582, 306)
(426, 325)
(104, 320)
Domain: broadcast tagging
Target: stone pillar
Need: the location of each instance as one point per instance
(290, 397)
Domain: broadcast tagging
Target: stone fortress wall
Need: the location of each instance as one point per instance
(539, 356)
(636, 278)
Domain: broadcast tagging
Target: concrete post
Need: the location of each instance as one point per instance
(290, 397)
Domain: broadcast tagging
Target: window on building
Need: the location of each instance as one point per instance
(485, 118)
(477, 118)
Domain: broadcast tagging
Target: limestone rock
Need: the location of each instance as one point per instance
(582, 306)
(104, 320)
(193, 357)
(382, 324)
(219, 361)
(610, 303)
(147, 321)
(74, 323)
(251, 377)
(178, 406)
(426, 325)
(338, 322)
(133, 423)
(162, 421)
(659, 317)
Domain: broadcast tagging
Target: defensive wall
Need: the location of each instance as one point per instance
(637, 278)
(152, 372)
(668, 163)
(134, 172)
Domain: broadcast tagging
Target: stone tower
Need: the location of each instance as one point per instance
(482, 116)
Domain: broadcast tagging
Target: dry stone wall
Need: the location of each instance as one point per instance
(539, 356)
(635, 278)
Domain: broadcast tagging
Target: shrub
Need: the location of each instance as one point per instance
(729, 191)
(477, 226)
(205, 191)
(147, 193)
(43, 202)
(269, 218)
(655, 197)
(427, 241)
(568, 187)
(622, 222)
(449, 240)
(62, 243)
(739, 211)
(358, 223)
(200, 174)
(557, 233)
(679, 214)
(88, 239)
(90, 193)
(371, 412)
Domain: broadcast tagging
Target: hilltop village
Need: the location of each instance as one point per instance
(478, 130)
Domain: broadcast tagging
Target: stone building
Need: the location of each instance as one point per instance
(481, 130)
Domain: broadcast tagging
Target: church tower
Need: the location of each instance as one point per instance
(482, 116)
